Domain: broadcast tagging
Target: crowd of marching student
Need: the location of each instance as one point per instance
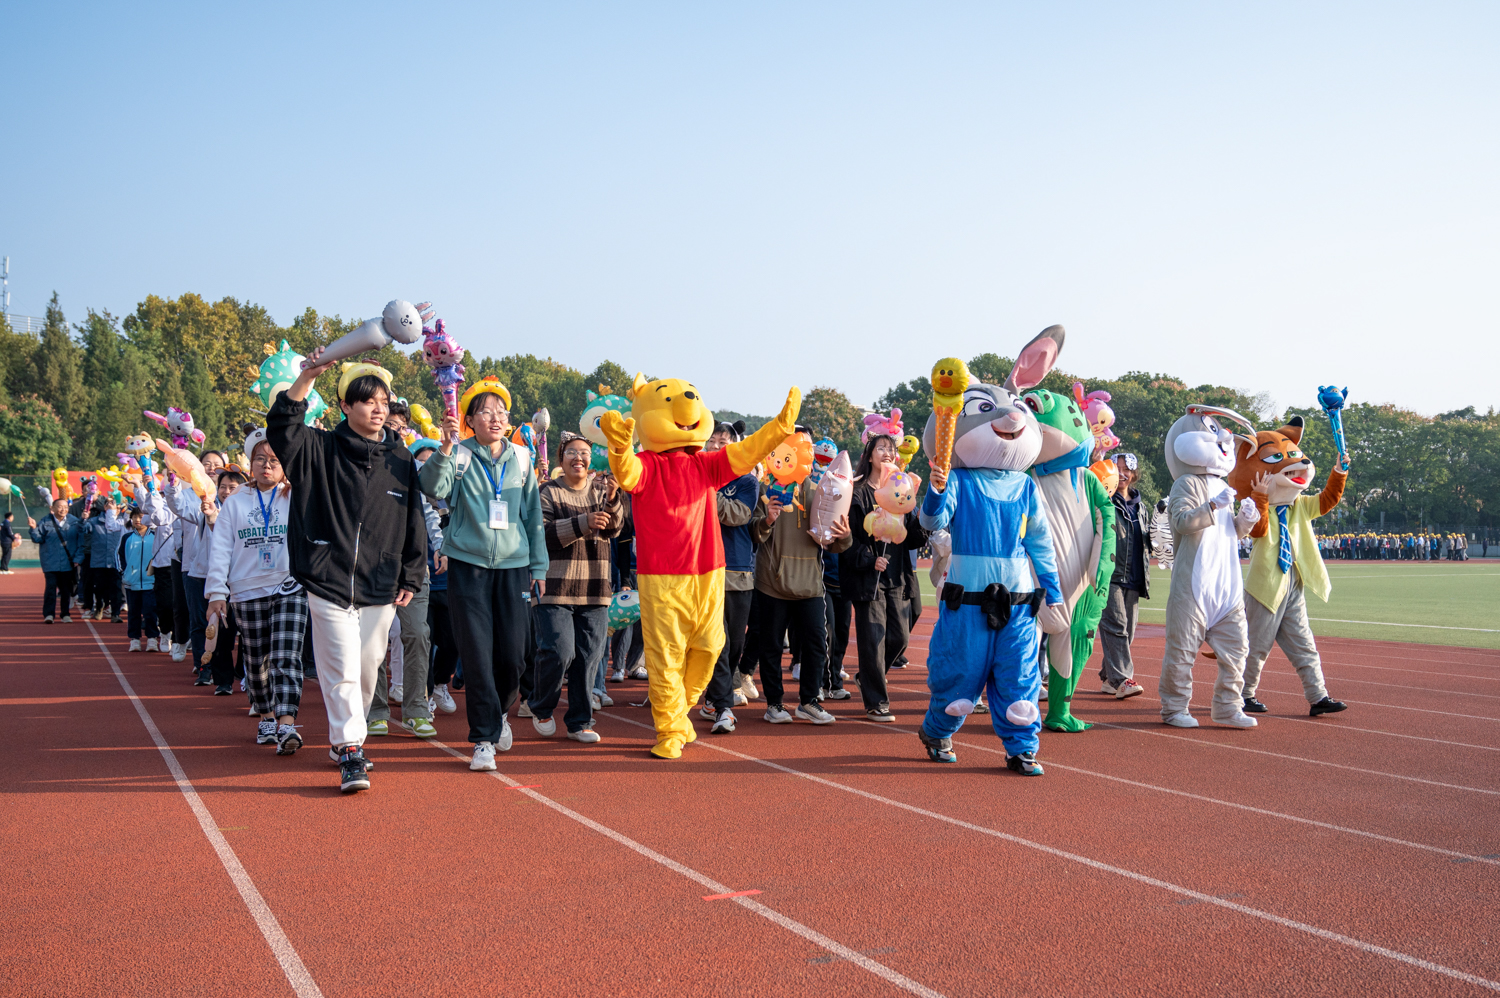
(1421, 546)
(399, 574)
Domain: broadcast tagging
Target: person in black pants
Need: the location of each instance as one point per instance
(7, 541)
(877, 577)
(736, 501)
(59, 541)
(838, 610)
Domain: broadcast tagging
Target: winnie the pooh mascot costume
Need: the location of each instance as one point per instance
(679, 550)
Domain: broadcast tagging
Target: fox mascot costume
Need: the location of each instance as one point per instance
(1285, 564)
(679, 550)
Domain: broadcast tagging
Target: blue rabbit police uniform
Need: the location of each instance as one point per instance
(999, 530)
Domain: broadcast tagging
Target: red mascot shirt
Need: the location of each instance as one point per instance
(676, 515)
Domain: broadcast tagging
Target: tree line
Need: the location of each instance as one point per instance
(70, 394)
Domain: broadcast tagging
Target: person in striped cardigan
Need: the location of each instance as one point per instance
(580, 513)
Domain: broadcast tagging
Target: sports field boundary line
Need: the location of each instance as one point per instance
(728, 893)
(1470, 857)
(1289, 923)
(296, 971)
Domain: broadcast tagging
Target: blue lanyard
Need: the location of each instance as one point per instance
(265, 513)
(491, 477)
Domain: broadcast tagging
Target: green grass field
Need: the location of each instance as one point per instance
(1429, 602)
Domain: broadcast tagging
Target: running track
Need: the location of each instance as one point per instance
(152, 849)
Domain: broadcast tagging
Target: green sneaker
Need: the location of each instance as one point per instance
(379, 728)
(419, 726)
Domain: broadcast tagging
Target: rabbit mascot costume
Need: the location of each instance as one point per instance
(680, 554)
(1273, 472)
(1001, 576)
(1207, 595)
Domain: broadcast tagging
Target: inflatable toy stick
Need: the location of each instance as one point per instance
(1332, 401)
(401, 322)
(179, 423)
(422, 420)
(541, 420)
(12, 490)
(186, 466)
(442, 354)
(950, 378)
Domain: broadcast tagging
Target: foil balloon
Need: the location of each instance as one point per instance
(1331, 401)
(1097, 416)
(64, 487)
(908, 449)
(878, 425)
(179, 423)
(541, 421)
(185, 465)
(624, 610)
(441, 353)
(789, 465)
(824, 451)
(1108, 474)
(422, 420)
(831, 500)
(277, 372)
(595, 405)
(401, 322)
(893, 500)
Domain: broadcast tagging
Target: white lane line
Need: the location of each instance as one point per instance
(1387, 706)
(811, 935)
(1467, 857)
(1312, 930)
(1373, 623)
(291, 964)
(1341, 726)
(1328, 663)
(1424, 689)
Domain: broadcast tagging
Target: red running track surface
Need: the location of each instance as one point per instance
(1357, 854)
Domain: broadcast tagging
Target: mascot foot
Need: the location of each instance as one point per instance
(1067, 722)
(1254, 706)
(1239, 719)
(1181, 720)
(959, 708)
(692, 736)
(1327, 705)
(938, 749)
(1025, 764)
(667, 748)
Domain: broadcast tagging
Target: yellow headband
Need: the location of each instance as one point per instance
(489, 384)
(352, 371)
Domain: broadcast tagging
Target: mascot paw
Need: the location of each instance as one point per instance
(792, 409)
(959, 708)
(617, 430)
(667, 748)
(1067, 723)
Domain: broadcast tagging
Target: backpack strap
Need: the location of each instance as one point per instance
(461, 458)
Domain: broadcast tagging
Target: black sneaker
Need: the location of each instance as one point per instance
(1327, 705)
(881, 714)
(938, 749)
(900, 663)
(265, 731)
(353, 774)
(1254, 706)
(1025, 764)
(202, 678)
(222, 691)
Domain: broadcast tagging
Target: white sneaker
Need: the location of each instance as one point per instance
(778, 715)
(432, 706)
(524, 709)
(1108, 688)
(747, 687)
(1129, 688)
(586, 735)
(797, 671)
(639, 672)
(595, 703)
(1239, 719)
(1182, 720)
(444, 699)
(605, 700)
(546, 728)
(708, 713)
(135, 644)
(618, 676)
(179, 653)
(843, 675)
(396, 694)
(724, 724)
(740, 699)
(503, 745)
(484, 758)
(815, 713)
(151, 644)
(1043, 697)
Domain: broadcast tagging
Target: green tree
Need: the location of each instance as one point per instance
(57, 364)
(32, 437)
(827, 412)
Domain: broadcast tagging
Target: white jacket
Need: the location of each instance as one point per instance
(160, 516)
(246, 558)
(192, 525)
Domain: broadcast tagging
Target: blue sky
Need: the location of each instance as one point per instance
(1268, 196)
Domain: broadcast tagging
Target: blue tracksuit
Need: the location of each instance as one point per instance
(999, 529)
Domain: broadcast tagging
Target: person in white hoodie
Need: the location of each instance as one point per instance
(194, 530)
(248, 565)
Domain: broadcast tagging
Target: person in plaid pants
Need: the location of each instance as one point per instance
(249, 566)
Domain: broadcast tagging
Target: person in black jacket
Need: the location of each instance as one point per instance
(877, 577)
(357, 540)
(1130, 581)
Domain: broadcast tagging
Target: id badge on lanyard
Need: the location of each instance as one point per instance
(499, 508)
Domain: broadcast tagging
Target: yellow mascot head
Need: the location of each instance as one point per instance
(670, 415)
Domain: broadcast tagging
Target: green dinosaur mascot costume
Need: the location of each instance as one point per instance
(1083, 541)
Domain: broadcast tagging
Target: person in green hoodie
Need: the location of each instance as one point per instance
(497, 557)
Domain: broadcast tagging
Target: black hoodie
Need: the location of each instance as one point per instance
(356, 532)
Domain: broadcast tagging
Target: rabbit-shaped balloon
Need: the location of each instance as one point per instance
(893, 500)
(878, 425)
(1097, 416)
